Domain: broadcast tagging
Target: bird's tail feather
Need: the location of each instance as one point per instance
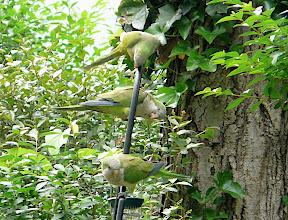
(157, 167)
(70, 108)
(100, 102)
(170, 175)
(114, 53)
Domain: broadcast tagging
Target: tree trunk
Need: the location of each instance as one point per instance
(253, 145)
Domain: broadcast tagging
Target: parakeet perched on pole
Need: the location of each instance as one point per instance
(127, 170)
(117, 103)
(138, 45)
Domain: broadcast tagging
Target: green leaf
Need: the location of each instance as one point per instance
(134, 12)
(207, 65)
(23, 143)
(183, 47)
(228, 18)
(259, 78)
(208, 35)
(157, 31)
(256, 105)
(31, 154)
(81, 54)
(40, 185)
(249, 33)
(279, 104)
(223, 177)
(285, 200)
(167, 16)
(252, 19)
(206, 90)
(139, 17)
(59, 167)
(64, 120)
(268, 12)
(171, 95)
(219, 201)
(235, 103)
(86, 153)
(227, 92)
(196, 194)
(219, 54)
(194, 60)
(240, 69)
(274, 93)
(11, 11)
(210, 213)
(196, 217)
(84, 14)
(222, 215)
(210, 193)
(173, 121)
(234, 189)
(75, 42)
(180, 88)
(225, 183)
(215, 9)
(271, 83)
(58, 216)
(183, 26)
(56, 140)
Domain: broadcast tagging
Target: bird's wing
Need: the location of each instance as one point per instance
(100, 102)
(144, 49)
(129, 39)
(135, 169)
(123, 95)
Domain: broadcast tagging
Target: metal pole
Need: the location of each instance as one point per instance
(120, 201)
(133, 106)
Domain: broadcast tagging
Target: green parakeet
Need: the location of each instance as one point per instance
(127, 170)
(138, 45)
(117, 103)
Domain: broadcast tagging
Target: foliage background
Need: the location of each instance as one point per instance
(50, 161)
(49, 164)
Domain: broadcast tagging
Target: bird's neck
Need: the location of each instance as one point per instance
(118, 181)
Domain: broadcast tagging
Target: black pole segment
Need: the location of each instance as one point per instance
(116, 204)
(132, 111)
(120, 209)
(120, 200)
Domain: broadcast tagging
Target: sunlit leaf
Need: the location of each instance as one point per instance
(167, 16)
(57, 140)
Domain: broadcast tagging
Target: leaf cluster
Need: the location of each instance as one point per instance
(205, 208)
(267, 61)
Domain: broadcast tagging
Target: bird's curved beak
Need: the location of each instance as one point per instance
(154, 115)
(115, 173)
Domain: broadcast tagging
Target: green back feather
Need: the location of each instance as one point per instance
(124, 95)
(135, 169)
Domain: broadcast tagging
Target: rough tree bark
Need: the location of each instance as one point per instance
(253, 145)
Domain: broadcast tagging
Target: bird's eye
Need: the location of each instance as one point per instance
(109, 167)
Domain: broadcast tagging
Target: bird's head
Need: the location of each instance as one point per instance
(159, 112)
(111, 165)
